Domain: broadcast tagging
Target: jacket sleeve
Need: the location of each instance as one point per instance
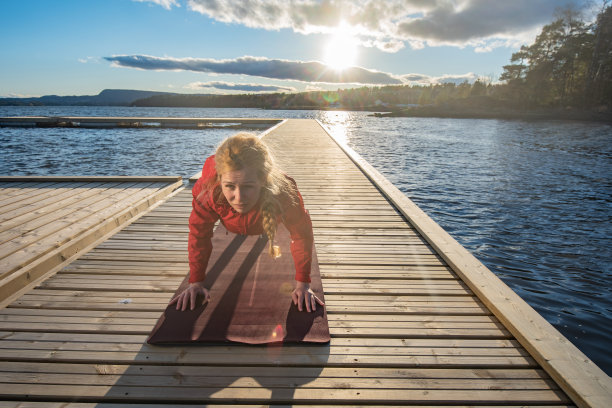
(299, 225)
(201, 223)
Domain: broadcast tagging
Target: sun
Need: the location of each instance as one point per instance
(341, 50)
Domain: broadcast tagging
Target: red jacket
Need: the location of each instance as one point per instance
(208, 209)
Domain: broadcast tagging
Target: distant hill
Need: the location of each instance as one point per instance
(108, 97)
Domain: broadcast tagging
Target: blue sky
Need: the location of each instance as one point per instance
(70, 47)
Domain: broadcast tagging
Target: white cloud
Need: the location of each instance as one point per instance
(167, 4)
(456, 79)
(17, 95)
(305, 71)
(389, 24)
(417, 79)
(89, 59)
(312, 88)
(232, 86)
(422, 79)
(390, 46)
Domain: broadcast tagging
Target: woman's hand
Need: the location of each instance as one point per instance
(189, 296)
(303, 295)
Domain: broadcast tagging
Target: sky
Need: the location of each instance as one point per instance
(80, 47)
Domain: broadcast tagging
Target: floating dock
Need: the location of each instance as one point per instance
(415, 319)
(95, 122)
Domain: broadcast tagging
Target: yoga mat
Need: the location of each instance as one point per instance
(250, 298)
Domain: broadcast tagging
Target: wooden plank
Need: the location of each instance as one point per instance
(41, 315)
(274, 382)
(375, 329)
(362, 232)
(282, 357)
(330, 272)
(131, 302)
(108, 297)
(298, 395)
(388, 331)
(47, 404)
(140, 317)
(503, 346)
(354, 286)
(407, 260)
(537, 376)
(238, 352)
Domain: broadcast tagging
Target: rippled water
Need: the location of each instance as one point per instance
(531, 200)
(121, 152)
(133, 152)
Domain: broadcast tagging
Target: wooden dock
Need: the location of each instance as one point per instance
(415, 319)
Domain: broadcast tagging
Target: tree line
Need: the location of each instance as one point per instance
(569, 64)
(363, 98)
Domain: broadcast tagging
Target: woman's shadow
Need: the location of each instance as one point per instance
(218, 371)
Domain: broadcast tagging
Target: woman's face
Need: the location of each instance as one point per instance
(241, 189)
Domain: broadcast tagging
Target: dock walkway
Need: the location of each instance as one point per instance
(410, 323)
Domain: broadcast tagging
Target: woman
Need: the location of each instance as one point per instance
(242, 186)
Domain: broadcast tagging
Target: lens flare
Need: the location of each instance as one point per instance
(341, 50)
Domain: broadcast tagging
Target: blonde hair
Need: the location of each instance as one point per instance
(246, 150)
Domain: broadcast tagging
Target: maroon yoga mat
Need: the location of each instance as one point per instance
(250, 298)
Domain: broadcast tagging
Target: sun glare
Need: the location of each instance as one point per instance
(341, 51)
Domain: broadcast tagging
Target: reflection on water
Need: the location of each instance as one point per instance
(337, 123)
(532, 200)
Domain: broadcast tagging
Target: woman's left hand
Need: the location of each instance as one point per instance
(303, 295)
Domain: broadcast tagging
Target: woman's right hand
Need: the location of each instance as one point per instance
(189, 296)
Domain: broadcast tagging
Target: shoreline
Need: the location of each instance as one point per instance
(455, 112)
(498, 113)
(448, 111)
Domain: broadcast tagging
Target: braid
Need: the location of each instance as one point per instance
(269, 224)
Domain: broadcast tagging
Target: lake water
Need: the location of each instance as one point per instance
(531, 200)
